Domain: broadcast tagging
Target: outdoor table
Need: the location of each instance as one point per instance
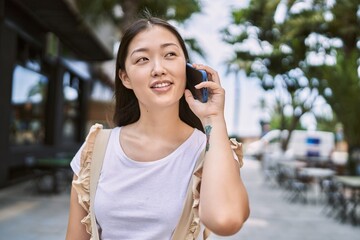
(316, 174)
(315, 161)
(352, 184)
(293, 164)
(47, 171)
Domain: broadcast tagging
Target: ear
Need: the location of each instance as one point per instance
(124, 79)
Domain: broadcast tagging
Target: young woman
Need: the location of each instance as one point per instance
(152, 152)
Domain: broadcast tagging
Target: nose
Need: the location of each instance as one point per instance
(158, 69)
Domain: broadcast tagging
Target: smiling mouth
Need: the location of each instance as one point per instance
(161, 85)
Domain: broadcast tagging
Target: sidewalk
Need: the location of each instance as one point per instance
(27, 215)
(273, 217)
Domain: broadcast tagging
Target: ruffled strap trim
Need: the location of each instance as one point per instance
(194, 227)
(197, 175)
(238, 152)
(82, 183)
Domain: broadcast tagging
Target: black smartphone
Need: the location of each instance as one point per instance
(194, 77)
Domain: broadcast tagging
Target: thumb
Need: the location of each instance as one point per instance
(189, 97)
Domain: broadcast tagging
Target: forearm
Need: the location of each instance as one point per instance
(223, 198)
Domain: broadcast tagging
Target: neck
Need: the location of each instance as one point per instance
(159, 122)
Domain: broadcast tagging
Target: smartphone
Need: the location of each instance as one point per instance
(194, 77)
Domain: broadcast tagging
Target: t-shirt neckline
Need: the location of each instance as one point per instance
(131, 162)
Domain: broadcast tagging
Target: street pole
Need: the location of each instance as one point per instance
(237, 101)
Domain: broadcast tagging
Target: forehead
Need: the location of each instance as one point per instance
(153, 36)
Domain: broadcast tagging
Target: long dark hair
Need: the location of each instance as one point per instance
(127, 108)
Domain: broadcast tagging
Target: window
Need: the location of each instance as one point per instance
(29, 94)
(71, 90)
(101, 92)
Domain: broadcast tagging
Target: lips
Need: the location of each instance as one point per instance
(161, 84)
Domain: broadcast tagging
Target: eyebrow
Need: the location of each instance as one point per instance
(146, 49)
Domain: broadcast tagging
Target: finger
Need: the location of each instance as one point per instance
(212, 74)
(210, 85)
(189, 97)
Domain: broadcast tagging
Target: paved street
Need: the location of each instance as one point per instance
(24, 214)
(273, 217)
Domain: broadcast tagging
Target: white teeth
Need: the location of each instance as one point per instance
(161, 85)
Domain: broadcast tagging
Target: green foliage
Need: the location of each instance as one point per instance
(310, 31)
(326, 124)
(276, 122)
(168, 9)
(340, 86)
(184, 9)
(194, 46)
(96, 11)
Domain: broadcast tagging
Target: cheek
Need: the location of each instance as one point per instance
(137, 77)
(183, 83)
(182, 79)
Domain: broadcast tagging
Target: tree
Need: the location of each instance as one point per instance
(319, 40)
(122, 12)
(272, 63)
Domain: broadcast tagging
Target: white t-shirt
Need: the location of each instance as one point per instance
(142, 200)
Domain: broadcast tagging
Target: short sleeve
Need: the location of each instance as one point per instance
(75, 162)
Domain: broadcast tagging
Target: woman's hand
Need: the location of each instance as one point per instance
(216, 100)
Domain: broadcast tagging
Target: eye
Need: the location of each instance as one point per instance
(171, 54)
(141, 59)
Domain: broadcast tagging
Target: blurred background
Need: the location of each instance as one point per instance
(292, 79)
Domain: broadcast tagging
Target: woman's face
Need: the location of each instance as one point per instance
(155, 68)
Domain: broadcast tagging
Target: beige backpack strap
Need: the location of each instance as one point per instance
(206, 233)
(101, 142)
(186, 229)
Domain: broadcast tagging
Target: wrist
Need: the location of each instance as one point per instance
(213, 119)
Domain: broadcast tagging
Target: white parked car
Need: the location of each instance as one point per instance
(302, 144)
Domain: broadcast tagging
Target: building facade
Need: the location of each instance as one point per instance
(46, 82)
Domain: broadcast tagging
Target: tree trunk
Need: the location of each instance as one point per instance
(130, 9)
(354, 160)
